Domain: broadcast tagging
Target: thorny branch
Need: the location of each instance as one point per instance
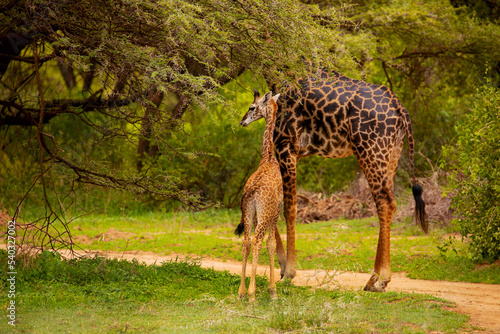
(51, 231)
(44, 233)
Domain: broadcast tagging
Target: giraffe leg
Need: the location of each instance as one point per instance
(247, 215)
(246, 251)
(383, 194)
(288, 171)
(280, 251)
(271, 249)
(257, 239)
(386, 206)
(380, 174)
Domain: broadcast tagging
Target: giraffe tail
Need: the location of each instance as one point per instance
(240, 229)
(417, 189)
(420, 207)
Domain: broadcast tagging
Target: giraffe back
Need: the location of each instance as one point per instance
(333, 115)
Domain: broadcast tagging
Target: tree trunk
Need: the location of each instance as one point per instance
(88, 77)
(67, 73)
(144, 147)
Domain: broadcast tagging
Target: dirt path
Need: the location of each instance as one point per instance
(480, 301)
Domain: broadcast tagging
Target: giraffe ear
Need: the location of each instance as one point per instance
(265, 100)
(276, 97)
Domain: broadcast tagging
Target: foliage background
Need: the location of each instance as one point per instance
(474, 178)
(141, 100)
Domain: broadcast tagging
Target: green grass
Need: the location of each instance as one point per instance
(344, 245)
(110, 296)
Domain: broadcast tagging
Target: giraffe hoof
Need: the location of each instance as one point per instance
(290, 275)
(374, 288)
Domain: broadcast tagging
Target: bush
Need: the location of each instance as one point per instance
(474, 180)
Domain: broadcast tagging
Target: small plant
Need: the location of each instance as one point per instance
(446, 246)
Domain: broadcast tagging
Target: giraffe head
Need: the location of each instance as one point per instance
(260, 107)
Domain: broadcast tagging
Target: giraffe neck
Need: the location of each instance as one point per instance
(267, 140)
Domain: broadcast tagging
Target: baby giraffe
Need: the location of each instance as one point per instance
(261, 200)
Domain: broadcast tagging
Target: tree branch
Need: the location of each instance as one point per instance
(384, 66)
(26, 116)
(31, 60)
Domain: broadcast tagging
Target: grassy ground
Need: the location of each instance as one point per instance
(334, 245)
(111, 296)
(104, 296)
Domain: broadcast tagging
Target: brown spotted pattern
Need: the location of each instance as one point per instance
(334, 116)
(262, 198)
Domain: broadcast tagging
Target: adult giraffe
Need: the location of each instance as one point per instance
(334, 116)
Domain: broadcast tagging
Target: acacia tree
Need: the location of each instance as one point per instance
(129, 71)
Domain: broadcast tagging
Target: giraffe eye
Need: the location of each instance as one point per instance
(251, 108)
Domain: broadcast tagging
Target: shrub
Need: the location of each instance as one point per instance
(474, 180)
